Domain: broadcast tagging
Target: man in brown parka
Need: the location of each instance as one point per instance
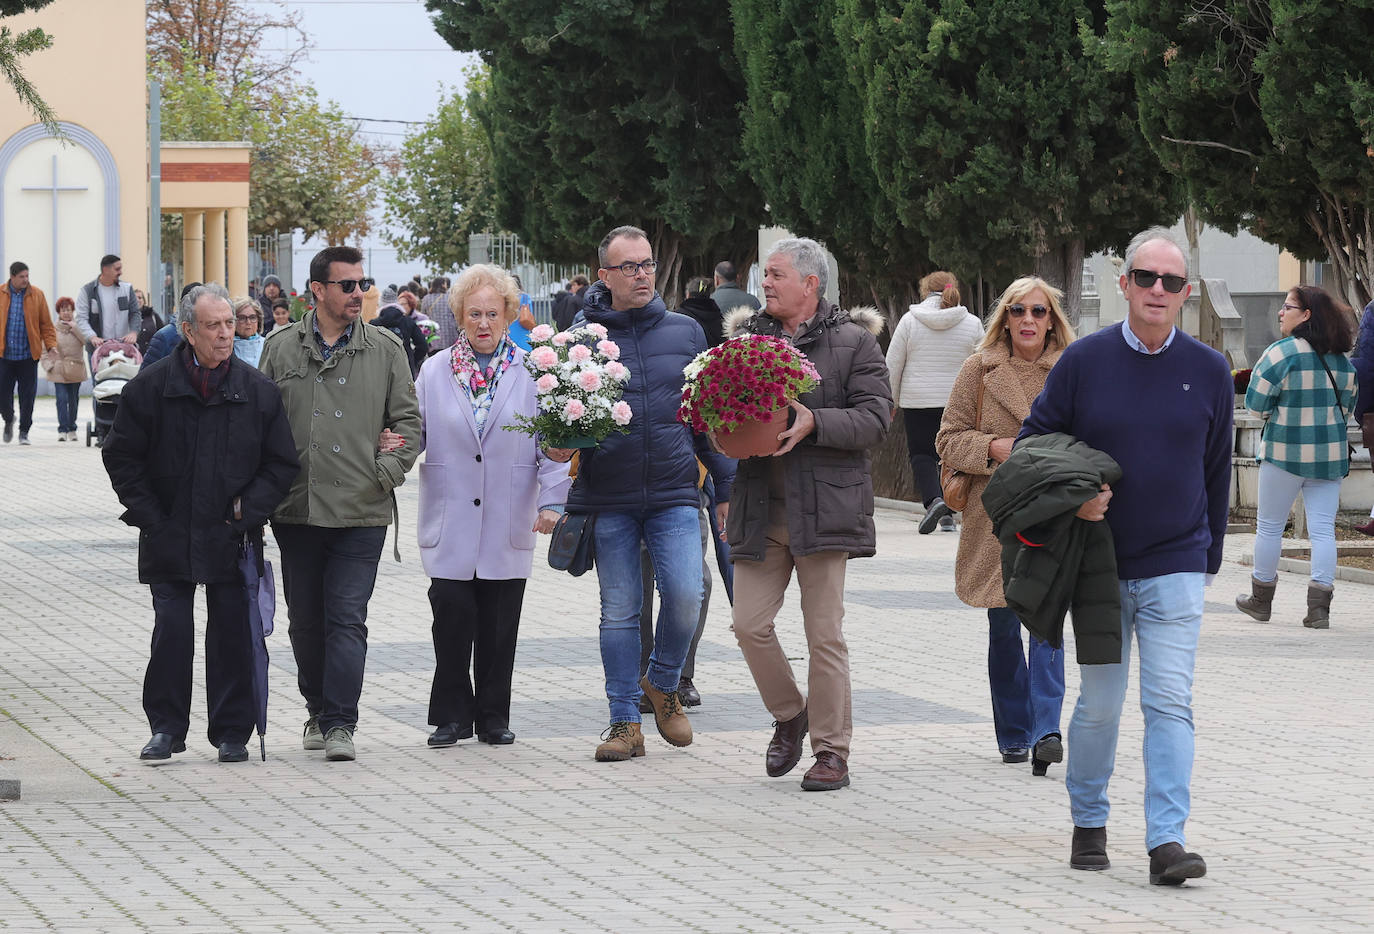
(808, 507)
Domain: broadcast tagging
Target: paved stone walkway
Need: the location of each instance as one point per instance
(936, 834)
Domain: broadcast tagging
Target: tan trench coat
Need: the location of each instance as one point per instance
(1010, 385)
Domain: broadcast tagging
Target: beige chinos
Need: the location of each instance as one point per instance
(759, 590)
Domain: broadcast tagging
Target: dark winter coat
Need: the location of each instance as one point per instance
(1363, 361)
(176, 462)
(1051, 559)
(654, 465)
(395, 320)
(706, 313)
(828, 474)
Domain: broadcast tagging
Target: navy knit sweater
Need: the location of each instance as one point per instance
(1166, 419)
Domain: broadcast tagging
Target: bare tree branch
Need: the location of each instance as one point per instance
(1209, 144)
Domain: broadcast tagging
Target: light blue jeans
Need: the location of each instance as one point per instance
(673, 537)
(1165, 614)
(1320, 498)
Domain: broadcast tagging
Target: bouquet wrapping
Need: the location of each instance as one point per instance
(580, 380)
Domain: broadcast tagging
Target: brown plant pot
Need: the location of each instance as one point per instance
(754, 439)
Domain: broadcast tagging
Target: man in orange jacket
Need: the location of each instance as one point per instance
(26, 331)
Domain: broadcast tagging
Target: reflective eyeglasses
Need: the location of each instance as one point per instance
(348, 285)
(1146, 278)
(1019, 311)
(630, 270)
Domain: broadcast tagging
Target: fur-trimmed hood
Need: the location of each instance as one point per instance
(741, 320)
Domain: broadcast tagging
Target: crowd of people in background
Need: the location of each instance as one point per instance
(1093, 476)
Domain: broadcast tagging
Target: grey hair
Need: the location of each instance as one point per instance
(1149, 235)
(626, 231)
(807, 256)
(188, 302)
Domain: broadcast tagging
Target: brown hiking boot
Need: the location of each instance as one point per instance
(624, 740)
(669, 716)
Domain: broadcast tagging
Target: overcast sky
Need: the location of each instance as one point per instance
(378, 60)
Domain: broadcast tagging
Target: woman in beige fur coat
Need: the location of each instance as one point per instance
(1026, 334)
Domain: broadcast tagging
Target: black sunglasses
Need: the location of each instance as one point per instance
(1146, 279)
(1017, 311)
(348, 285)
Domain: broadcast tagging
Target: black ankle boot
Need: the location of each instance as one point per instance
(1089, 849)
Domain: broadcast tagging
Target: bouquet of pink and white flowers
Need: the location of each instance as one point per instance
(580, 380)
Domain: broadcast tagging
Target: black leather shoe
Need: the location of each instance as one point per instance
(448, 734)
(785, 749)
(1089, 849)
(160, 748)
(1015, 755)
(497, 737)
(687, 693)
(1169, 865)
(1048, 750)
(233, 752)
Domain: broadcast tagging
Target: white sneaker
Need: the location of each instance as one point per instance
(61, 436)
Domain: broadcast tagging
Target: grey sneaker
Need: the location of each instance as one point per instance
(312, 739)
(338, 745)
(9, 432)
(937, 511)
(946, 523)
(23, 437)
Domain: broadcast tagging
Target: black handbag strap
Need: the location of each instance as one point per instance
(1345, 419)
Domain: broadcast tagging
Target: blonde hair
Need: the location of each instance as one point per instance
(238, 304)
(1060, 333)
(482, 276)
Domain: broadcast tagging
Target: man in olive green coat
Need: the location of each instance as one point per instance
(344, 383)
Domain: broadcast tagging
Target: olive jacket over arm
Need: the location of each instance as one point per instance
(828, 474)
(1052, 561)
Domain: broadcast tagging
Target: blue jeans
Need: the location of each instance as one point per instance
(673, 537)
(327, 576)
(1320, 498)
(68, 397)
(1165, 613)
(1026, 698)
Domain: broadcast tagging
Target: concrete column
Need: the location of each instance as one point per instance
(238, 252)
(214, 246)
(193, 245)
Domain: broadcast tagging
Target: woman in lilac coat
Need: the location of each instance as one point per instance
(484, 494)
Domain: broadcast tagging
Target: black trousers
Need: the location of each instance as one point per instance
(328, 576)
(921, 428)
(21, 374)
(228, 662)
(476, 623)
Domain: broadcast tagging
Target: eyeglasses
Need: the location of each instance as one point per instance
(348, 285)
(1146, 279)
(1018, 311)
(1288, 307)
(630, 270)
(243, 318)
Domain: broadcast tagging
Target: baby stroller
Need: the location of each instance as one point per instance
(113, 364)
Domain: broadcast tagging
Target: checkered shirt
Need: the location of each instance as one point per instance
(1304, 431)
(16, 331)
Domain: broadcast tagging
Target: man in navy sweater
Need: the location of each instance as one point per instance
(1160, 403)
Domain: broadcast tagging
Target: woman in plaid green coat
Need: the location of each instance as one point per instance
(1304, 389)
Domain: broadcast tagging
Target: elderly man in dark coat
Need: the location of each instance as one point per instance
(200, 454)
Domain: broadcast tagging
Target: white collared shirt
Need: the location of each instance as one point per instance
(1137, 345)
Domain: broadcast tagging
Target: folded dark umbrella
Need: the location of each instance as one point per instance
(261, 590)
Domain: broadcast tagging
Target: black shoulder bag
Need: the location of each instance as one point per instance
(572, 546)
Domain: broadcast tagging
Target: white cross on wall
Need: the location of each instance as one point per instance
(55, 189)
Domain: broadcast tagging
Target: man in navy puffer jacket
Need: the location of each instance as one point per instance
(642, 486)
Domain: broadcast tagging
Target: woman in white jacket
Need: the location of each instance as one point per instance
(930, 344)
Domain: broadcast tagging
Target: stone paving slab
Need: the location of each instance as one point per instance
(936, 834)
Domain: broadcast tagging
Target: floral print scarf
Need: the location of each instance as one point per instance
(479, 383)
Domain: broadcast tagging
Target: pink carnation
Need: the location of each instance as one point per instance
(541, 332)
(598, 329)
(544, 358)
(561, 339)
(589, 380)
(579, 353)
(546, 383)
(609, 348)
(617, 371)
(574, 410)
(620, 413)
